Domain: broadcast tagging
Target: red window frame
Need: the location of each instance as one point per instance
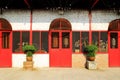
(90, 37)
(40, 32)
(80, 42)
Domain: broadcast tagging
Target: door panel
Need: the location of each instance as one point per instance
(114, 49)
(5, 49)
(66, 49)
(55, 40)
(60, 49)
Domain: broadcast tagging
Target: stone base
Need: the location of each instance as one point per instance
(28, 65)
(91, 65)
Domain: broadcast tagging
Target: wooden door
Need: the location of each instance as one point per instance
(5, 49)
(60, 48)
(114, 49)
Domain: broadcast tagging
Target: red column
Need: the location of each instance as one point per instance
(90, 31)
(119, 24)
(0, 25)
(31, 27)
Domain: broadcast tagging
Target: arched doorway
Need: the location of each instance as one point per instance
(5, 43)
(114, 43)
(60, 43)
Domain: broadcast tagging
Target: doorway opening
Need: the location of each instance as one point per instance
(5, 43)
(114, 43)
(60, 43)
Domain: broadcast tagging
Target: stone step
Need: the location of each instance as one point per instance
(28, 65)
(27, 68)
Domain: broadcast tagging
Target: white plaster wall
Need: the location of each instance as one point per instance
(40, 60)
(19, 19)
(78, 19)
(101, 19)
(99, 26)
(80, 26)
(18, 59)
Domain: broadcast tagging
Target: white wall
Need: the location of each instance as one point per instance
(101, 19)
(19, 19)
(78, 19)
(18, 59)
(40, 60)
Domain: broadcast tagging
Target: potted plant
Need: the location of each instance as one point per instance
(91, 52)
(29, 50)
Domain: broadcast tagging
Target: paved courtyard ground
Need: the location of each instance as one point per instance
(59, 74)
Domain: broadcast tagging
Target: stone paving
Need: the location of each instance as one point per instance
(59, 74)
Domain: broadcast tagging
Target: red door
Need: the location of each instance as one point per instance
(114, 49)
(5, 49)
(60, 48)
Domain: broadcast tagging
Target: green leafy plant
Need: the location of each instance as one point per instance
(29, 49)
(91, 50)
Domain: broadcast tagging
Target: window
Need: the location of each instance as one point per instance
(19, 39)
(114, 40)
(44, 41)
(60, 24)
(36, 39)
(101, 40)
(5, 39)
(95, 38)
(39, 39)
(65, 40)
(55, 40)
(84, 39)
(16, 42)
(25, 37)
(81, 39)
(76, 41)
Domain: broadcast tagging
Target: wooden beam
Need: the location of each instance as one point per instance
(1, 10)
(95, 2)
(27, 3)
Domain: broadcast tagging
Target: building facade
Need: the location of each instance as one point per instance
(59, 38)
